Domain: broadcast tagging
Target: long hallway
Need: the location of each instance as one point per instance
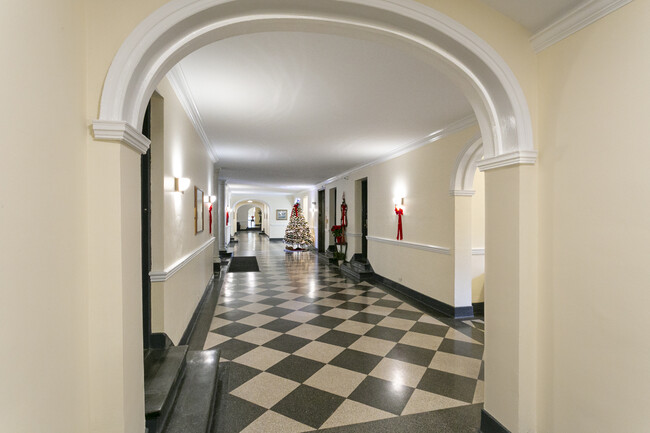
(305, 349)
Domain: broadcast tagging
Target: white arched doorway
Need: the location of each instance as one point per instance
(182, 26)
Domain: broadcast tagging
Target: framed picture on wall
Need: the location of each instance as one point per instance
(280, 214)
(198, 210)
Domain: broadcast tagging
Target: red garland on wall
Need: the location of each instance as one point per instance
(227, 217)
(399, 212)
(210, 210)
(344, 213)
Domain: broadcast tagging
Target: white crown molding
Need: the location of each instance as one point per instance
(462, 193)
(448, 130)
(577, 19)
(513, 158)
(478, 251)
(414, 245)
(162, 276)
(178, 82)
(117, 130)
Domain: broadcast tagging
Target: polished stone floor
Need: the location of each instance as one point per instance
(305, 349)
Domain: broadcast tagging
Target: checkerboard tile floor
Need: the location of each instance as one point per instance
(306, 349)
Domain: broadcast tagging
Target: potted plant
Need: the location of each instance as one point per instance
(337, 231)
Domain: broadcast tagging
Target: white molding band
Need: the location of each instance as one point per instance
(462, 193)
(577, 19)
(448, 130)
(513, 158)
(353, 235)
(178, 82)
(117, 130)
(478, 251)
(414, 245)
(162, 276)
(462, 178)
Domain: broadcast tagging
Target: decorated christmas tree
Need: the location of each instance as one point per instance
(297, 236)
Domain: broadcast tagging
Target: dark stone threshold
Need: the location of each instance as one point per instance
(491, 425)
(479, 308)
(199, 325)
(426, 301)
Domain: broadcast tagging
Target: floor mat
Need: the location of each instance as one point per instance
(243, 264)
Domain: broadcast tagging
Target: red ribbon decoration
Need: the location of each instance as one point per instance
(227, 217)
(210, 210)
(344, 214)
(399, 212)
(295, 209)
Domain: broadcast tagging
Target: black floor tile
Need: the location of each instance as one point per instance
(272, 301)
(385, 333)
(342, 297)
(367, 318)
(232, 349)
(448, 384)
(308, 299)
(270, 292)
(464, 419)
(326, 321)
(234, 303)
(481, 373)
(287, 343)
(373, 295)
(277, 311)
(411, 354)
(387, 303)
(382, 394)
(405, 314)
(238, 374)
(356, 361)
(308, 405)
(281, 325)
(234, 315)
(352, 306)
(234, 414)
(338, 338)
(461, 348)
(233, 329)
(316, 309)
(296, 368)
(430, 329)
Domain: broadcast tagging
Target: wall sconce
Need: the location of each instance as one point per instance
(209, 198)
(399, 204)
(181, 184)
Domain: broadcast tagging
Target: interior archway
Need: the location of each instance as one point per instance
(182, 26)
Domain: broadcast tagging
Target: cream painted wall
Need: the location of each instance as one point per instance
(43, 218)
(422, 178)
(179, 152)
(594, 212)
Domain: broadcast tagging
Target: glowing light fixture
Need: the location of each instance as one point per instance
(250, 201)
(181, 184)
(209, 198)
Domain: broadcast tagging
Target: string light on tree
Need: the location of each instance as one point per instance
(297, 236)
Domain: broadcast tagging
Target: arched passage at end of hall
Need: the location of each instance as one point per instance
(182, 26)
(264, 206)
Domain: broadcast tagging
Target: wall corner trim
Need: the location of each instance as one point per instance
(478, 251)
(514, 158)
(162, 276)
(414, 245)
(575, 20)
(117, 130)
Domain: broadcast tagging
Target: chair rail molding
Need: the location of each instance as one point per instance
(414, 245)
(162, 276)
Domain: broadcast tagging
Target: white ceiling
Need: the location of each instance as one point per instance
(287, 110)
(283, 111)
(534, 14)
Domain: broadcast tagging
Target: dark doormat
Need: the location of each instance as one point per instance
(243, 264)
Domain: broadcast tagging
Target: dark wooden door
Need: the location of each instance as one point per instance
(145, 198)
(364, 219)
(321, 221)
